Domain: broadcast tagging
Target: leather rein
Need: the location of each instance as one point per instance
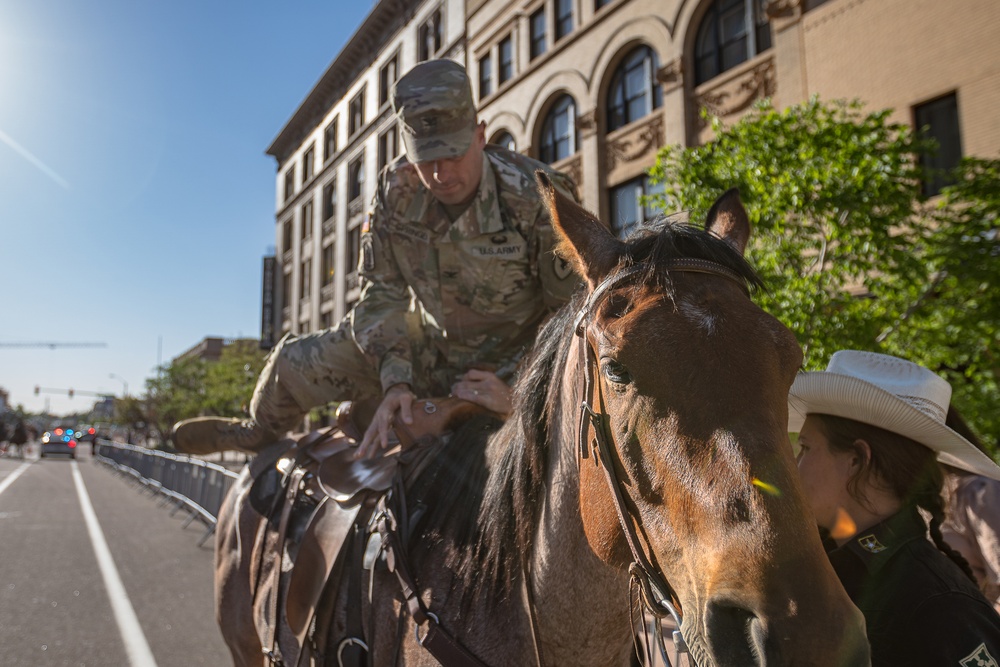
(658, 597)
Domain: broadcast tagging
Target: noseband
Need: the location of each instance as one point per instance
(659, 598)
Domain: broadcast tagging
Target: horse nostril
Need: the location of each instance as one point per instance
(731, 632)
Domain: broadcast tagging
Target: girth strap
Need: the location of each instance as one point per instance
(442, 645)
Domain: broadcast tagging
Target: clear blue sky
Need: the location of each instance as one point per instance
(136, 201)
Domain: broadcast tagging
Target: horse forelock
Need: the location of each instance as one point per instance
(665, 239)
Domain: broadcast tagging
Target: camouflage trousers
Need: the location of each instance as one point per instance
(303, 372)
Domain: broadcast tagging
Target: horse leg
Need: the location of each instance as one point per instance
(234, 536)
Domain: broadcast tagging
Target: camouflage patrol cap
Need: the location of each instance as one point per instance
(437, 118)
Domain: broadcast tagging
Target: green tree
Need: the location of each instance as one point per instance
(841, 235)
(953, 321)
(229, 382)
(177, 392)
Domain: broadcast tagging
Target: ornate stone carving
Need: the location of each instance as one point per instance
(738, 95)
(573, 167)
(671, 75)
(634, 145)
(779, 9)
(587, 123)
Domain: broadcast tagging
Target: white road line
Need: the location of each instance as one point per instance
(135, 641)
(14, 475)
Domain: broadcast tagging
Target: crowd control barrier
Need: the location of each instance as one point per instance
(190, 484)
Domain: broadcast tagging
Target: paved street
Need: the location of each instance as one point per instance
(148, 601)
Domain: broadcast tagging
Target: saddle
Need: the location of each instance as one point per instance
(314, 497)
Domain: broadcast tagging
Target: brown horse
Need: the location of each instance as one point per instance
(683, 444)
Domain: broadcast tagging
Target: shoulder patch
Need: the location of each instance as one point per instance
(870, 543)
(979, 658)
(561, 267)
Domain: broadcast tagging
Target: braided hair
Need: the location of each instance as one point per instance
(905, 467)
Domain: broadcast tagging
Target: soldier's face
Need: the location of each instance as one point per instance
(455, 180)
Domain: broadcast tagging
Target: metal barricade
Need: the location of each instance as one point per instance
(189, 484)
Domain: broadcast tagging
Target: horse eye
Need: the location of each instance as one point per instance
(615, 371)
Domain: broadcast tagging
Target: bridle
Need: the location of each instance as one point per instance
(658, 597)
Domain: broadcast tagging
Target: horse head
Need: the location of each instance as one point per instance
(686, 473)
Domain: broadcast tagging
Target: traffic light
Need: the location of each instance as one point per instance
(37, 390)
(71, 393)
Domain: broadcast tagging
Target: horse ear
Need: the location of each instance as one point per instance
(727, 219)
(583, 240)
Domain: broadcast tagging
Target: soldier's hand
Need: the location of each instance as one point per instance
(399, 397)
(484, 388)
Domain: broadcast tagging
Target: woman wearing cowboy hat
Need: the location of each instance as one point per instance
(872, 433)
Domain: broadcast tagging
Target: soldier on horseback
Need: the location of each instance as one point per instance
(457, 271)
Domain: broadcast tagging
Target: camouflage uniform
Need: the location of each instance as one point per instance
(438, 296)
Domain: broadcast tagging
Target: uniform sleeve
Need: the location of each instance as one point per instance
(555, 273)
(378, 320)
(951, 629)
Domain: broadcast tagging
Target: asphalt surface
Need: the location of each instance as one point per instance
(58, 604)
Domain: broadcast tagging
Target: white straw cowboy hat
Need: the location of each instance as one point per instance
(891, 393)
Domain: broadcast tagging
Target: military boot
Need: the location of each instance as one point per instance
(207, 435)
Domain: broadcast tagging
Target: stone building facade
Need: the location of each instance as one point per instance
(595, 87)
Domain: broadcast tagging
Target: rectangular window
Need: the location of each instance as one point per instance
(353, 249)
(308, 164)
(938, 120)
(307, 220)
(356, 179)
(328, 265)
(305, 282)
(330, 140)
(329, 200)
(537, 33)
(485, 76)
(286, 290)
(386, 78)
(356, 113)
(388, 147)
(627, 207)
(601, 3)
(429, 37)
(286, 236)
(289, 182)
(326, 320)
(506, 54)
(564, 18)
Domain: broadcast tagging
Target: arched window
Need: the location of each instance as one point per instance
(559, 135)
(504, 138)
(732, 32)
(634, 91)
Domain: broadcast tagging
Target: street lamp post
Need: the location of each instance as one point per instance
(124, 384)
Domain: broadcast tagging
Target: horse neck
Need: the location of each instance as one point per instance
(568, 580)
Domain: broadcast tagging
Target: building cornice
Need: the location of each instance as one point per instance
(386, 18)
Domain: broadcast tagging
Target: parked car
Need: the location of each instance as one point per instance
(59, 441)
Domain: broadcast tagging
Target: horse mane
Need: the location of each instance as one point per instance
(489, 512)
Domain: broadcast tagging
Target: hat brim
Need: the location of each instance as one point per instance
(822, 392)
(439, 147)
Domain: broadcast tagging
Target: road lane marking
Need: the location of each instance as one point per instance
(128, 624)
(14, 475)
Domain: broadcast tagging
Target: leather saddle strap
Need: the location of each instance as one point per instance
(445, 648)
(270, 643)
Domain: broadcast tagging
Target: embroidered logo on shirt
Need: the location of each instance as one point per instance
(871, 543)
(508, 250)
(979, 658)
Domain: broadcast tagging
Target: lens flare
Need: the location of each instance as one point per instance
(844, 526)
(770, 489)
